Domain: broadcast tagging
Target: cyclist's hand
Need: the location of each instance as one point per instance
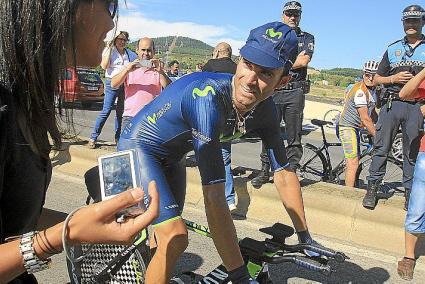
(402, 77)
(97, 223)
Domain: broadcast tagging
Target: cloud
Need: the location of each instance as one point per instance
(140, 26)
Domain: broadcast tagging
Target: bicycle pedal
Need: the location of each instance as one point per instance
(252, 247)
(279, 232)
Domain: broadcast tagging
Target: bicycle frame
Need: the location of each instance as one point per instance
(330, 173)
(220, 274)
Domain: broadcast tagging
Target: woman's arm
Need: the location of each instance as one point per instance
(92, 224)
(106, 57)
(410, 90)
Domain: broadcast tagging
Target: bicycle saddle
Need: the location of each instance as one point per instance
(319, 122)
(279, 232)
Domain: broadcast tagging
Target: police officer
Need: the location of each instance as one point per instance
(402, 60)
(290, 100)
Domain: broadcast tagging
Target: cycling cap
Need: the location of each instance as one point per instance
(273, 45)
(292, 6)
(371, 66)
(413, 12)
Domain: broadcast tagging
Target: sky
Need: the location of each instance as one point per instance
(347, 32)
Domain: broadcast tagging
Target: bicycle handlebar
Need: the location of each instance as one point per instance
(338, 256)
(302, 261)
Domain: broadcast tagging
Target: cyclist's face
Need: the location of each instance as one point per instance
(253, 84)
(368, 79)
(92, 22)
(291, 18)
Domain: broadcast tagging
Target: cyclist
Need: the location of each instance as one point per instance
(357, 113)
(194, 113)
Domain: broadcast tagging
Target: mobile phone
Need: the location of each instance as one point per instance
(117, 172)
(144, 63)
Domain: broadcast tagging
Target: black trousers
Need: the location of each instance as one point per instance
(290, 107)
(409, 116)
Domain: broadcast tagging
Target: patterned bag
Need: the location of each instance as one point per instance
(99, 256)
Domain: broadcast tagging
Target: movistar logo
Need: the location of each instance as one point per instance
(152, 119)
(203, 93)
(271, 33)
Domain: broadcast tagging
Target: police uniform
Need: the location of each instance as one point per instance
(290, 102)
(400, 56)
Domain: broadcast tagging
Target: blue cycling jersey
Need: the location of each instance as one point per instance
(195, 112)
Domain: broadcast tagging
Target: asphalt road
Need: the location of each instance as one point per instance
(365, 266)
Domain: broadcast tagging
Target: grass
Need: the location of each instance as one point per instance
(327, 91)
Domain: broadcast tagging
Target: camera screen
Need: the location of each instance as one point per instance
(117, 175)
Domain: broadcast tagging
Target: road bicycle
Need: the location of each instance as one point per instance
(316, 163)
(396, 151)
(257, 256)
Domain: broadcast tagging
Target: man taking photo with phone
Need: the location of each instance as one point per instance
(143, 79)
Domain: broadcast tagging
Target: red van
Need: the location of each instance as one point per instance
(81, 85)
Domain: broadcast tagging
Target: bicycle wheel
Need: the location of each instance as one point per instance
(312, 164)
(397, 148)
(392, 181)
(332, 116)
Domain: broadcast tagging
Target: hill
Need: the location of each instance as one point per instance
(187, 51)
(190, 52)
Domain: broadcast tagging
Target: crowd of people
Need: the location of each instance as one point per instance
(162, 115)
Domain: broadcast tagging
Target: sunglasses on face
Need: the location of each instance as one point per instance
(291, 14)
(112, 7)
(122, 39)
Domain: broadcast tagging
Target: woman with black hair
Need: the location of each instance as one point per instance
(39, 39)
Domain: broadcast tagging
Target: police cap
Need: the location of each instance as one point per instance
(413, 12)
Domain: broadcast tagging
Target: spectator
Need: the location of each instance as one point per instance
(358, 110)
(221, 60)
(114, 57)
(141, 84)
(400, 62)
(223, 63)
(27, 120)
(173, 72)
(198, 67)
(290, 100)
(415, 218)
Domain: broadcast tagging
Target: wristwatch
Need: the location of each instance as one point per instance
(31, 261)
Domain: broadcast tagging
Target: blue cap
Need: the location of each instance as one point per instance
(272, 45)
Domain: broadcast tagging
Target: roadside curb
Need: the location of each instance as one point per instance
(332, 210)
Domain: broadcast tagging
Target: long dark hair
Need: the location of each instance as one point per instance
(35, 34)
